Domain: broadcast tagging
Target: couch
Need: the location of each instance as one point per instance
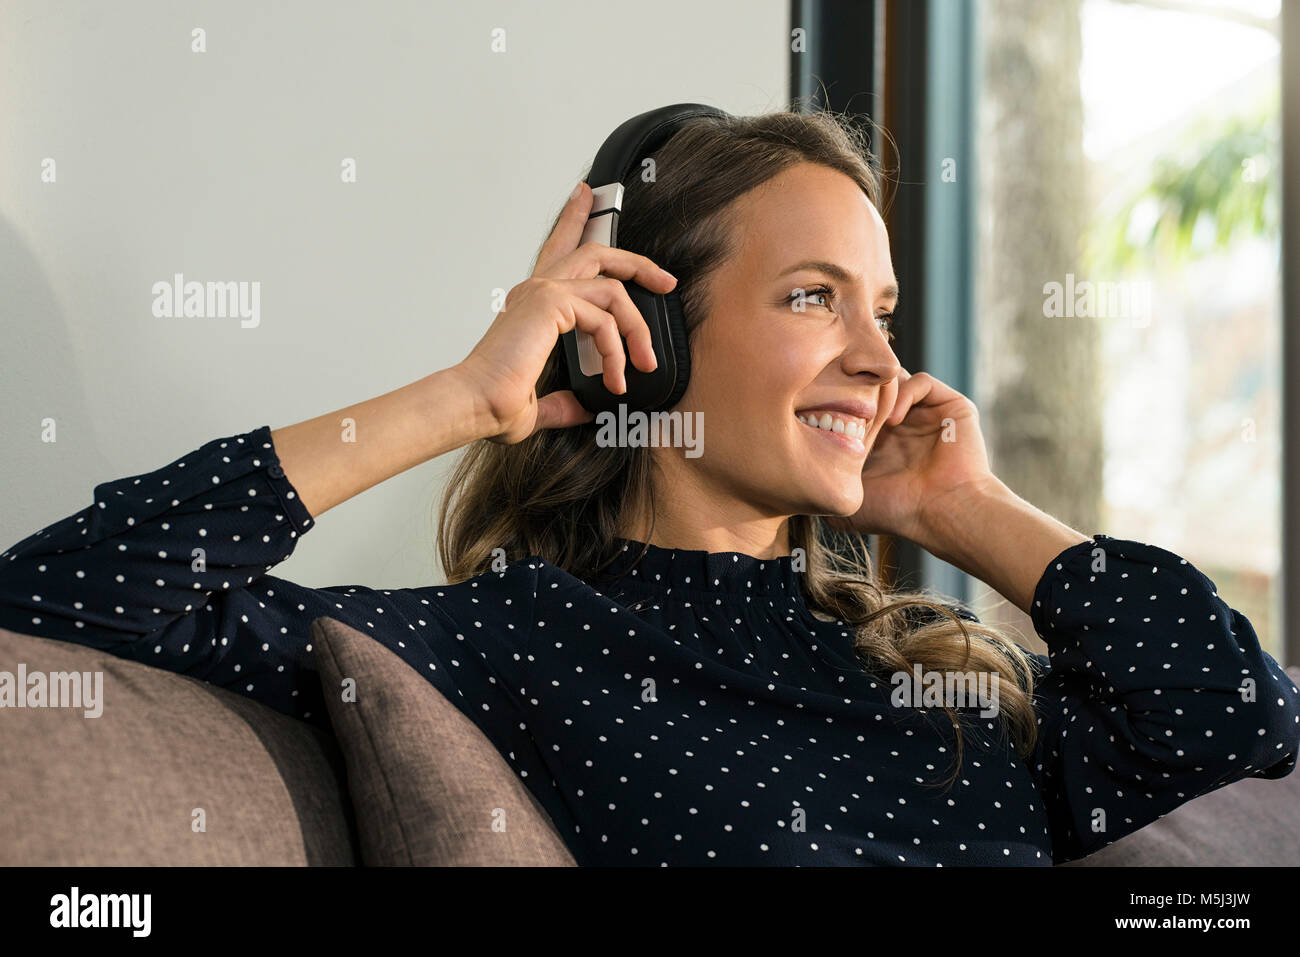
(179, 772)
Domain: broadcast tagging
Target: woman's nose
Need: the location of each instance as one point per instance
(870, 352)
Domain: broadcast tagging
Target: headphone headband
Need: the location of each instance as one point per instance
(640, 136)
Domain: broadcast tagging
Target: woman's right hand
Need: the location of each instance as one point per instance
(574, 284)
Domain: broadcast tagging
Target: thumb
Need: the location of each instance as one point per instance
(561, 409)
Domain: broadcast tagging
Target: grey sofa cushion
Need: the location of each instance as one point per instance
(122, 788)
(428, 787)
(1254, 821)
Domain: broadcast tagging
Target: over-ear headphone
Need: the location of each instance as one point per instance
(624, 150)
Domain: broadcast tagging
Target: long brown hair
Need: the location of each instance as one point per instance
(560, 496)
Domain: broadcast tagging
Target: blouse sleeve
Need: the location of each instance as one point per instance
(1153, 693)
(170, 568)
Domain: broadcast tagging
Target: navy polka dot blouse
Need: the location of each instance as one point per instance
(689, 708)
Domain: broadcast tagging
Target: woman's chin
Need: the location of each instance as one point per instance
(844, 505)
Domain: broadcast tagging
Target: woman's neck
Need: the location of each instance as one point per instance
(679, 528)
(695, 511)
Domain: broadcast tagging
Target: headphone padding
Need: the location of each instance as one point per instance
(681, 350)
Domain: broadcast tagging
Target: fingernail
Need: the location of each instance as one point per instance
(576, 190)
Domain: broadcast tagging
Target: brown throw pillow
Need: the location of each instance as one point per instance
(426, 783)
(127, 787)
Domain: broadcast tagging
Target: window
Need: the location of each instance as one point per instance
(1127, 329)
(1086, 216)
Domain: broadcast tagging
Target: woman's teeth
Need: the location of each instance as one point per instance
(834, 423)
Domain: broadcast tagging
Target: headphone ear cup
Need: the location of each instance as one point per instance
(681, 350)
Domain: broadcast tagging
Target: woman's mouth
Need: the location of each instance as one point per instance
(848, 431)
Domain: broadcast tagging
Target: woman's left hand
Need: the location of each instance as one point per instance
(929, 447)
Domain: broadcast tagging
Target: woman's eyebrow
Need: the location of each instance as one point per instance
(834, 270)
(839, 273)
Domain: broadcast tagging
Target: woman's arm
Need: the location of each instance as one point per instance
(335, 456)
(1157, 692)
(178, 542)
(170, 566)
(1154, 690)
(989, 531)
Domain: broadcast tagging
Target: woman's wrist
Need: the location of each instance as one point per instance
(988, 531)
(471, 396)
(459, 407)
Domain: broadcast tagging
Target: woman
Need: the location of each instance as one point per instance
(662, 646)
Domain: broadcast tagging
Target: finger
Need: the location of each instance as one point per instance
(899, 382)
(910, 393)
(612, 296)
(567, 234)
(593, 259)
(603, 328)
(922, 389)
(560, 410)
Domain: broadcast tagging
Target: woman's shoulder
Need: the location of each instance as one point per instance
(506, 583)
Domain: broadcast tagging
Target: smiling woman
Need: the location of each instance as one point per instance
(794, 377)
(814, 428)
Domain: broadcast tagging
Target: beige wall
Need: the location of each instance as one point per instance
(225, 166)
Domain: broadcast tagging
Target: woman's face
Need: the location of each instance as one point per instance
(760, 359)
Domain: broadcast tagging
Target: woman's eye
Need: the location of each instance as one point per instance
(805, 295)
(888, 319)
(827, 293)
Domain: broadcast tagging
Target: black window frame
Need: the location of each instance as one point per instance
(878, 59)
